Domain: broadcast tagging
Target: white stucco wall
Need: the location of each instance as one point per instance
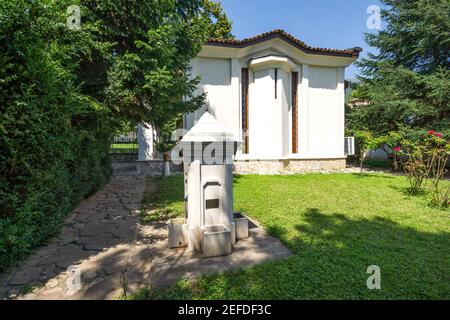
(326, 112)
(266, 115)
(284, 94)
(216, 82)
(320, 102)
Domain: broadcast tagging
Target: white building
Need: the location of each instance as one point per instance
(281, 97)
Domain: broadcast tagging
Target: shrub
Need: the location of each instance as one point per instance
(439, 154)
(416, 165)
(53, 140)
(426, 158)
(365, 142)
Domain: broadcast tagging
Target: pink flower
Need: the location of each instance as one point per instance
(438, 135)
(397, 149)
(431, 132)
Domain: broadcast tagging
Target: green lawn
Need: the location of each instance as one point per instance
(336, 225)
(124, 148)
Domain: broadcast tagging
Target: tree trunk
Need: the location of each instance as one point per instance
(166, 164)
(361, 160)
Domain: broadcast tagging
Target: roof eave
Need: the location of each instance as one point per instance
(348, 53)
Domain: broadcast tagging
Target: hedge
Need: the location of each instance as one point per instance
(54, 140)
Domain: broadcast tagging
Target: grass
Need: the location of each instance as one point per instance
(166, 204)
(336, 225)
(124, 148)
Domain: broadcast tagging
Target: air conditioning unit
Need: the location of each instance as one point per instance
(349, 146)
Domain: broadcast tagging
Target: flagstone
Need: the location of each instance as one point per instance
(106, 246)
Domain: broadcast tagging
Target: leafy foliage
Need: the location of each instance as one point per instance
(365, 142)
(147, 76)
(54, 141)
(416, 37)
(65, 92)
(406, 84)
(219, 26)
(166, 141)
(426, 157)
(144, 74)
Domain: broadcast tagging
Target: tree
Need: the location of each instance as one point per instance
(406, 83)
(64, 93)
(145, 78)
(139, 63)
(166, 141)
(365, 141)
(54, 140)
(149, 80)
(219, 26)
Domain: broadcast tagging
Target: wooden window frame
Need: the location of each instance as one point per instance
(294, 90)
(245, 108)
(276, 82)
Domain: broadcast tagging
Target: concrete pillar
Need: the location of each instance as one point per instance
(145, 138)
(303, 108)
(235, 97)
(228, 204)
(194, 206)
(341, 97)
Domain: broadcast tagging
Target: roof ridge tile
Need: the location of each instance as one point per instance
(352, 52)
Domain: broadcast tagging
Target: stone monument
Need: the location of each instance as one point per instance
(209, 225)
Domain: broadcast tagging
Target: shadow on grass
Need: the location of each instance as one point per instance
(371, 175)
(163, 199)
(331, 256)
(406, 191)
(237, 177)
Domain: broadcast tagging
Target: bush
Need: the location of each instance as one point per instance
(426, 158)
(53, 140)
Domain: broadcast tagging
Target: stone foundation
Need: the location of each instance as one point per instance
(282, 166)
(288, 166)
(123, 157)
(155, 167)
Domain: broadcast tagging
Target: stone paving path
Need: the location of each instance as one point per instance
(104, 252)
(99, 241)
(182, 263)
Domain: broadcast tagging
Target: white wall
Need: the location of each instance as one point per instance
(269, 125)
(216, 82)
(265, 134)
(284, 94)
(320, 107)
(326, 112)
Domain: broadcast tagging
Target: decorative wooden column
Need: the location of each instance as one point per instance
(245, 116)
(294, 89)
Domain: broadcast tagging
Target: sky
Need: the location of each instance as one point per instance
(336, 24)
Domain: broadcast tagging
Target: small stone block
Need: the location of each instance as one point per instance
(216, 241)
(241, 223)
(178, 232)
(233, 233)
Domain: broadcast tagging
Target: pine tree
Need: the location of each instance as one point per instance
(406, 84)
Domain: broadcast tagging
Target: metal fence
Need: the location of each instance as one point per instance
(125, 143)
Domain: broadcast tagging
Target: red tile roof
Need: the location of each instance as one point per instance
(352, 52)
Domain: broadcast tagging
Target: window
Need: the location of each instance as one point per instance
(212, 204)
(276, 82)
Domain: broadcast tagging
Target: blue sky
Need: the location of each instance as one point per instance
(337, 24)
